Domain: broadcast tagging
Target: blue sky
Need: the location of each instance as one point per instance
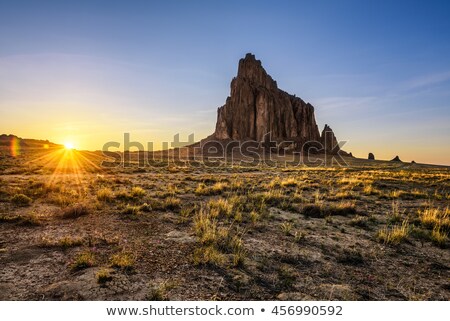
(87, 71)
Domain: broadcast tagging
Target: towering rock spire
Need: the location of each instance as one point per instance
(256, 107)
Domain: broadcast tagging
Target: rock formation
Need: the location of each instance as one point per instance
(371, 156)
(328, 139)
(257, 108)
(396, 159)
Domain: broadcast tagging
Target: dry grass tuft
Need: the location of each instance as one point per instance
(432, 217)
(123, 260)
(208, 256)
(103, 276)
(83, 261)
(137, 192)
(394, 235)
(105, 195)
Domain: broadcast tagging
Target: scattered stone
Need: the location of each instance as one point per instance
(179, 236)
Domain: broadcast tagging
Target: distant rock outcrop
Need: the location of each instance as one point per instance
(396, 159)
(328, 139)
(256, 108)
(371, 156)
(9, 140)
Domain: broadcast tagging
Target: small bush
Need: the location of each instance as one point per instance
(314, 211)
(64, 242)
(342, 209)
(208, 256)
(145, 208)
(186, 212)
(286, 227)
(254, 216)
(289, 182)
(217, 188)
(122, 261)
(394, 235)
(75, 211)
(103, 276)
(286, 277)
(131, 209)
(206, 228)
(123, 195)
(395, 215)
(235, 245)
(105, 195)
(299, 237)
(432, 217)
(350, 257)
(62, 199)
(168, 204)
(220, 207)
(274, 197)
(359, 221)
(158, 292)
(137, 192)
(171, 203)
(370, 190)
(83, 261)
(21, 200)
(439, 237)
(321, 211)
(23, 220)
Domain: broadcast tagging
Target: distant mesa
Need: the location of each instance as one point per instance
(371, 156)
(13, 140)
(396, 159)
(413, 162)
(257, 108)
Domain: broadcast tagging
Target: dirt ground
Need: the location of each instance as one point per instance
(73, 230)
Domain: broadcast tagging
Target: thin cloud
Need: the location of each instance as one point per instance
(428, 80)
(340, 103)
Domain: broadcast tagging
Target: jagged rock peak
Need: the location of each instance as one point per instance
(328, 139)
(252, 70)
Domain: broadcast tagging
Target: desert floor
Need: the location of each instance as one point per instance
(73, 230)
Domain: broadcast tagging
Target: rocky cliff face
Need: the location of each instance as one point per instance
(256, 107)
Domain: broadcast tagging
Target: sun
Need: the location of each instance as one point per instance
(68, 146)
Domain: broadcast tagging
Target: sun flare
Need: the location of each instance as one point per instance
(68, 146)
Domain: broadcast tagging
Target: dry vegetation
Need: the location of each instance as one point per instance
(370, 231)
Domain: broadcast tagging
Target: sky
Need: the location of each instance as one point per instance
(87, 72)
